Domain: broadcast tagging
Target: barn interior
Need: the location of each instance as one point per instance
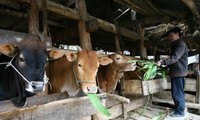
(132, 27)
(127, 17)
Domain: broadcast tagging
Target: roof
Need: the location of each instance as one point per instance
(157, 16)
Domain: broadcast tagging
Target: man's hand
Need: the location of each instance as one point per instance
(159, 63)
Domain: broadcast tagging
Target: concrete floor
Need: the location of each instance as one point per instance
(152, 113)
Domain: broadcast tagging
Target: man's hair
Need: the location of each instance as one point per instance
(175, 30)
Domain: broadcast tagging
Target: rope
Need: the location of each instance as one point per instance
(80, 81)
(8, 64)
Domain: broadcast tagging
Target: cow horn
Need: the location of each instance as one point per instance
(79, 48)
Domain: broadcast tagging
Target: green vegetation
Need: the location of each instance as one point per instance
(98, 105)
(149, 68)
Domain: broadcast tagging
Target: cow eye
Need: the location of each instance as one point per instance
(21, 59)
(118, 58)
(79, 65)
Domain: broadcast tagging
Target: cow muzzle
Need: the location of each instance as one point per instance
(92, 89)
(89, 89)
(35, 86)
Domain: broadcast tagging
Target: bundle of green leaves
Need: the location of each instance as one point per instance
(98, 105)
(149, 68)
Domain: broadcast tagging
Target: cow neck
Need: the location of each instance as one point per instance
(114, 73)
(9, 64)
(112, 78)
(117, 69)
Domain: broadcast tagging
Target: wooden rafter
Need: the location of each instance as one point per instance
(193, 8)
(74, 15)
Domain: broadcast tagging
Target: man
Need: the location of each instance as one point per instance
(178, 63)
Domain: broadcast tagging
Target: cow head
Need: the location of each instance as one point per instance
(29, 60)
(85, 67)
(121, 63)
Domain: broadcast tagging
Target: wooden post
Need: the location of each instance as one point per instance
(84, 36)
(117, 44)
(44, 17)
(34, 18)
(198, 85)
(143, 52)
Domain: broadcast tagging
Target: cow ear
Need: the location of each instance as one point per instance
(105, 61)
(55, 54)
(8, 49)
(71, 57)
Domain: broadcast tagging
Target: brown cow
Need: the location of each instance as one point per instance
(75, 70)
(109, 75)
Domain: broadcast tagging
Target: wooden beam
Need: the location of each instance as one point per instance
(11, 3)
(12, 13)
(167, 95)
(148, 2)
(92, 26)
(34, 18)
(188, 105)
(198, 87)
(23, 15)
(74, 15)
(151, 20)
(84, 36)
(193, 8)
(175, 14)
(190, 85)
(72, 109)
(116, 110)
(140, 87)
(131, 5)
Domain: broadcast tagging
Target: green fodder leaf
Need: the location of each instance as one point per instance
(153, 72)
(159, 117)
(98, 105)
(164, 74)
(144, 67)
(148, 73)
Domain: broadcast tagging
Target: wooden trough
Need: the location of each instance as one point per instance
(140, 87)
(59, 107)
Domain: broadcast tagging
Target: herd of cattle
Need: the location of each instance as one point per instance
(23, 70)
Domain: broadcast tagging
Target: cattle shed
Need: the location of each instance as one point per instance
(135, 28)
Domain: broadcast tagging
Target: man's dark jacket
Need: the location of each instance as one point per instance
(178, 61)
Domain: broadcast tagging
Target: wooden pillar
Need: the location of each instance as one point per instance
(198, 84)
(84, 36)
(44, 17)
(34, 18)
(143, 52)
(117, 44)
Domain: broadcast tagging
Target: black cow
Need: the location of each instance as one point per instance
(22, 70)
